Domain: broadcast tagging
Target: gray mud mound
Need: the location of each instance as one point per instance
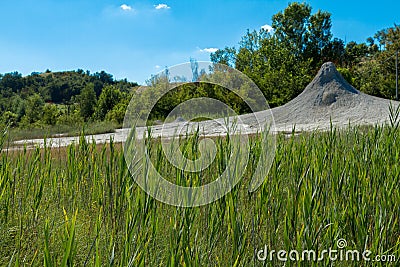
(329, 87)
(330, 97)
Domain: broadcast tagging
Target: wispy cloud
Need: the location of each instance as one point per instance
(209, 50)
(162, 6)
(267, 28)
(126, 7)
(157, 66)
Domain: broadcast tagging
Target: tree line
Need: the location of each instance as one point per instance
(67, 98)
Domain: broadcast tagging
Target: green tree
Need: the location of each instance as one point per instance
(12, 81)
(355, 53)
(319, 37)
(34, 108)
(308, 35)
(334, 52)
(371, 78)
(291, 26)
(87, 101)
(389, 38)
(225, 56)
(117, 114)
(373, 67)
(50, 114)
(109, 97)
(346, 74)
(247, 57)
(9, 118)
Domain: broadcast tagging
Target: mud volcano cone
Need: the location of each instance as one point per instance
(329, 86)
(329, 97)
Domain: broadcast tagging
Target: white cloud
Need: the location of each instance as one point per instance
(157, 66)
(209, 50)
(125, 7)
(162, 6)
(267, 28)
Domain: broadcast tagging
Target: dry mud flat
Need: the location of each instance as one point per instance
(329, 98)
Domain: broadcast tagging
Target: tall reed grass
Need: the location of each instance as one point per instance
(80, 206)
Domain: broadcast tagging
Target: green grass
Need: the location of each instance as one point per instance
(79, 205)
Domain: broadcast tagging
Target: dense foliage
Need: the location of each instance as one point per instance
(60, 97)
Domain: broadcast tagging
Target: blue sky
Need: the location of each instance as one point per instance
(134, 39)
